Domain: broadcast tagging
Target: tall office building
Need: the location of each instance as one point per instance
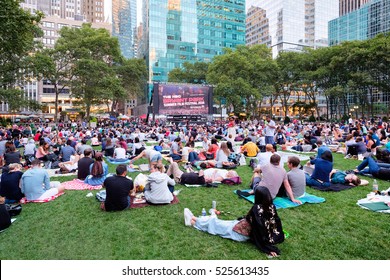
(369, 20)
(124, 25)
(347, 6)
(291, 25)
(59, 13)
(364, 23)
(257, 27)
(93, 10)
(178, 31)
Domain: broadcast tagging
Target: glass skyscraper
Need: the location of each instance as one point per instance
(124, 25)
(292, 24)
(370, 20)
(176, 31)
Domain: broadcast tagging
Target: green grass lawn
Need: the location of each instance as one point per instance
(73, 227)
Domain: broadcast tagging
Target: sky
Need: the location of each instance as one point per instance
(108, 7)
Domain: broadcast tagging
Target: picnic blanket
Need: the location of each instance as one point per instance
(285, 154)
(113, 161)
(24, 200)
(285, 202)
(52, 173)
(77, 184)
(141, 204)
(333, 188)
(376, 203)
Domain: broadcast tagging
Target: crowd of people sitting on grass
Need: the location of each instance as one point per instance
(202, 155)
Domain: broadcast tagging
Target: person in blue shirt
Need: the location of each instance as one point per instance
(322, 168)
(98, 171)
(375, 138)
(340, 177)
(321, 148)
(36, 183)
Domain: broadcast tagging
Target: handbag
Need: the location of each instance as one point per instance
(13, 210)
(209, 156)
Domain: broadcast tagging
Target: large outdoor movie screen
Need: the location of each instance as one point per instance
(175, 99)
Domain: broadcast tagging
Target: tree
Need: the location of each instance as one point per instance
(93, 53)
(193, 73)
(17, 33)
(55, 65)
(289, 76)
(242, 76)
(133, 75)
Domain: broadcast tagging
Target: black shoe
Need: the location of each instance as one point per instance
(243, 194)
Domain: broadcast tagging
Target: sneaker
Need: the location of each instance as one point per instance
(244, 194)
(187, 217)
(348, 156)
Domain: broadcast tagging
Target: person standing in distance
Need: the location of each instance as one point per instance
(270, 131)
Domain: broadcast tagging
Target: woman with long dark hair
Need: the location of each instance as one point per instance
(261, 225)
(98, 171)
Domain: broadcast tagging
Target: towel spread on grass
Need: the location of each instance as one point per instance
(24, 200)
(377, 203)
(77, 184)
(113, 161)
(144, 204)
(285, 202)
(333, 187)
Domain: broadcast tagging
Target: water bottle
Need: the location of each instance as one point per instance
(375, 186)
(214, 205)
(203, 212)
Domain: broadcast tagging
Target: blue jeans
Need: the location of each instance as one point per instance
(373, 167)
(269, 140)
(313, 182)
(383, 165)
(222, 228)
(255, 182)
(193, 156)
(175, 156)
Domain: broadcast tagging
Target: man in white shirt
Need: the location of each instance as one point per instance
(270, 131)
(264, 158)
(119, 152)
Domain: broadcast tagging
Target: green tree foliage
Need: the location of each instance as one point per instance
(242, 76)
(55, 65)
(88, 61)
(193, 73)
(94, 53)
(289, 76)
(133, 75)
(18, 28)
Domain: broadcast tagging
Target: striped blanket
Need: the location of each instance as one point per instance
(285, 202)
(24, 200)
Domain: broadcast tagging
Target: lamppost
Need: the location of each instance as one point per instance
(356, 108)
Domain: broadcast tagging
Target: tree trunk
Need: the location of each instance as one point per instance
(56, 104)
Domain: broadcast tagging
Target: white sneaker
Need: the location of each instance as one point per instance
(187, 217)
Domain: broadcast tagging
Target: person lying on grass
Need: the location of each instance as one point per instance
(340, 177)
(261, 225)
(271, 176)
(376, 169)
(201, 178)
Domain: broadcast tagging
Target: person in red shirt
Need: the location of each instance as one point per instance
(213, 148)
(37, 136)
